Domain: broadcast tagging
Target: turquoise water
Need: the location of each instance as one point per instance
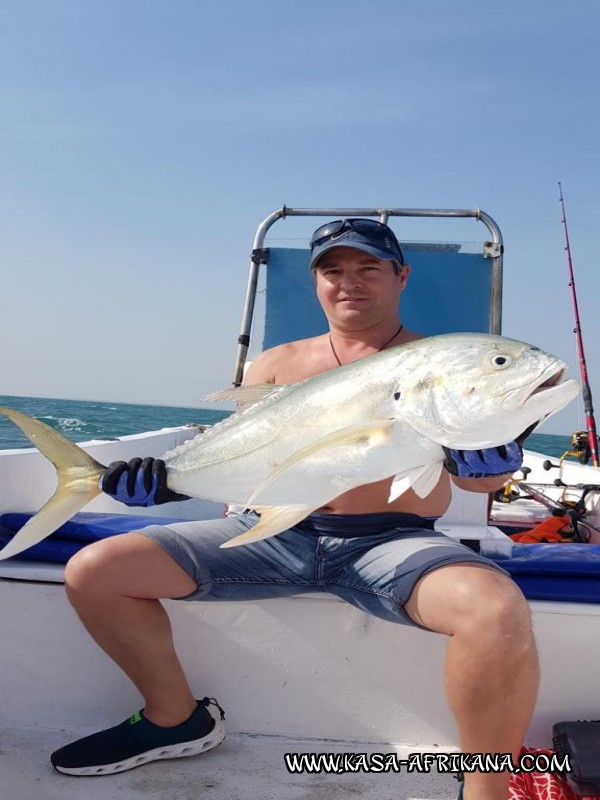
(82, 419)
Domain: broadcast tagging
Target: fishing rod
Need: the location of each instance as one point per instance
(586, 391)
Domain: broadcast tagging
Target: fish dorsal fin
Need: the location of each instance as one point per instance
(273, 520)
(372, 434)
(245, 395)
(421, 480)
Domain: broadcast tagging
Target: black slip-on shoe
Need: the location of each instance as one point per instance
(138, 741)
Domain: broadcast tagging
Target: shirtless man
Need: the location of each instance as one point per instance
(116, 585)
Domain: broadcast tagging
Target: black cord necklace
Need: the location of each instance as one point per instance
(383, 346)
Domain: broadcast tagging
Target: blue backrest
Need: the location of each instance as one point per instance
(448, 290)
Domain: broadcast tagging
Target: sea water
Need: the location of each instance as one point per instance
(81, 420)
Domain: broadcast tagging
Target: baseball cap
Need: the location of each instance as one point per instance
(368, 235)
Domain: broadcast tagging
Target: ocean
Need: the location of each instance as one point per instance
(81, 420)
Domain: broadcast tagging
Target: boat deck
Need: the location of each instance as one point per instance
(244, 766)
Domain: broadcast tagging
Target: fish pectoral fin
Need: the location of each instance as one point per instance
(421, 480)
(273, 520)
(245, 395)
(77, 474)
(371, 434)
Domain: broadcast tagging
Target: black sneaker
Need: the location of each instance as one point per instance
(138, 741)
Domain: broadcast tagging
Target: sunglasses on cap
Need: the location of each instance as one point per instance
(377, 232)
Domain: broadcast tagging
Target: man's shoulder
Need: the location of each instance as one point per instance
(298, 345)
(271, 364)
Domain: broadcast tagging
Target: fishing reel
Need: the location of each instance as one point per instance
(510, 491)
(580, 449)
(580, 446)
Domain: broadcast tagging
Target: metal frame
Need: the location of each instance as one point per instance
(493, 249)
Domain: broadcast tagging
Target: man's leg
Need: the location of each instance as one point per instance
(492, 669)
(115, 586)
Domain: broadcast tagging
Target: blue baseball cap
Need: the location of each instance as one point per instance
(368, 235)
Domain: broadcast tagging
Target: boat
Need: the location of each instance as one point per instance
(299, 675)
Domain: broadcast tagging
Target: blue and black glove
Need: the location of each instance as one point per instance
(139, 482)
(488, 463)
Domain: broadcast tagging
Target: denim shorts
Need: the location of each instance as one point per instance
(370, 560)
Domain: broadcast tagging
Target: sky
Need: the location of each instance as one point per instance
(142, 141)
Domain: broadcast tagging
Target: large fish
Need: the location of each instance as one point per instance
(291, 449)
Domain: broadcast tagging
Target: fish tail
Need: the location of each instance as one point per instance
(77, 472)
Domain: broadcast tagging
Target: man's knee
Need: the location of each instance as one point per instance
(495, 608)
(471, 600)
(92, 567)
(130, 565)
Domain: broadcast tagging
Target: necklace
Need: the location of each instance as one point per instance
(383, 346)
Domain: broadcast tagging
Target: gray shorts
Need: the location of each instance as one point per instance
(370, 560)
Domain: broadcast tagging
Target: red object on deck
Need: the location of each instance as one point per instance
(539, 785)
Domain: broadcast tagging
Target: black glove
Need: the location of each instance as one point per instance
(139, 482)
(490, 462)
(486, 463)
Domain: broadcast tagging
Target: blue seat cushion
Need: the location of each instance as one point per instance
(561, 572)
(564, 572)
(80, 530)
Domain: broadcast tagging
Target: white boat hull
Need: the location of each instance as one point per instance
(295, 674)
(304, 667)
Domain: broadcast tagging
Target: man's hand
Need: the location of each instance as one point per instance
(139, 482)
(488, 463)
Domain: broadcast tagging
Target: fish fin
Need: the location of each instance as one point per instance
(273, 520)
(401, 483)
(51, 516)
(421, 480)
(428, 480)
(245, 395)
(77, 472)
(374, 434)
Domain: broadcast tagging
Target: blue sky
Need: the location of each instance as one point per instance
(142, 142)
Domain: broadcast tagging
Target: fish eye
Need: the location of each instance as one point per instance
(501, 361)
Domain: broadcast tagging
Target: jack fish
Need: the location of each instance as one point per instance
(291, 449)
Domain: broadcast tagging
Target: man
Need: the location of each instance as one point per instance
(115, 585)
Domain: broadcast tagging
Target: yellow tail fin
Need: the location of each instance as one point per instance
(77, 473)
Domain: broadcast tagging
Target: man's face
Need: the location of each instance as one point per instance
(357, 290)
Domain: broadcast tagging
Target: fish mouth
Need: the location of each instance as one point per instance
(548, 381)
(549, 394)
